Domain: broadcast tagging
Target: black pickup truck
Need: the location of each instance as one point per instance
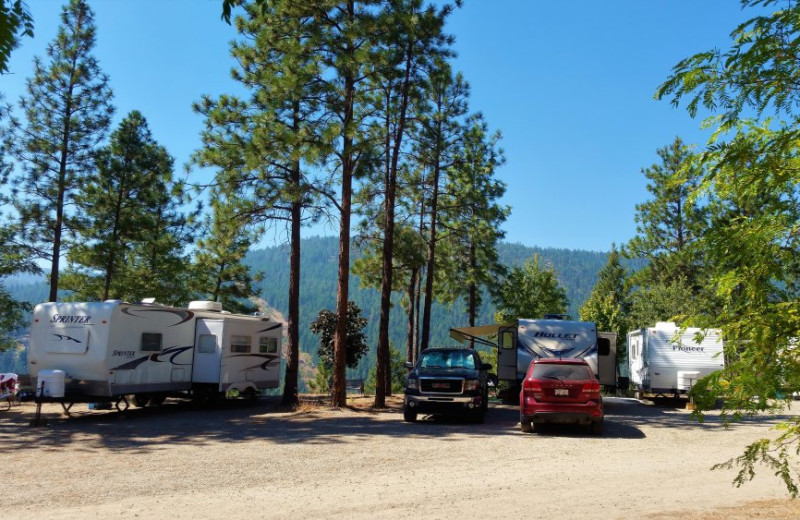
(447, 380)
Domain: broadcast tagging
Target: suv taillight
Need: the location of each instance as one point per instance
(532, 389)
(591, 390)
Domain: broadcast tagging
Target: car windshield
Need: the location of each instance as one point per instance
(561, 372)
(447, 359)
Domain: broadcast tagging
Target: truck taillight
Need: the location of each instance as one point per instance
(592, 390)
(532, 389)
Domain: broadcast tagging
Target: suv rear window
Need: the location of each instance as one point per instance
(561, 372)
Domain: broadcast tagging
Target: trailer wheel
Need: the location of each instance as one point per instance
(157, 400)
(140, 400)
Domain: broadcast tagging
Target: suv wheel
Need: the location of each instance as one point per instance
(526, 426)
(409, 416)
(597, 428)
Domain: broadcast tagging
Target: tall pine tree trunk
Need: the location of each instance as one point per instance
(348, 155)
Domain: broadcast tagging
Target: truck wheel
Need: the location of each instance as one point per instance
(409, 416)
(526, 425)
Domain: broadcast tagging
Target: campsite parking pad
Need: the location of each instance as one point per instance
(260, 461)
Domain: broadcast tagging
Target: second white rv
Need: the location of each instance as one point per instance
(666, 359)
(107, 350)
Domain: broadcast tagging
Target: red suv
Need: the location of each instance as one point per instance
(560, 391)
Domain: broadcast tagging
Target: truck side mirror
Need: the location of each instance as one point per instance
(603, 346)
(408, 364)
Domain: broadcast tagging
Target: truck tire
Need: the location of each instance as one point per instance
(409, 416)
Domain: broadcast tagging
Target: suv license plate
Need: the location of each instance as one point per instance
(562, 392)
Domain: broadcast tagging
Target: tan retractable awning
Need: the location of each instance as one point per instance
(478, 333)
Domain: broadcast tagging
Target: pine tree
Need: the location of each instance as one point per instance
(67, 112)
(472, 216)
(530, 291)
(435, 148)
(668, 225)
(609, 304)
(132, 172)
(265, 146)
(218, 269)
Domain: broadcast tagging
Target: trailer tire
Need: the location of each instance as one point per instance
(158, 400)
(140, 400)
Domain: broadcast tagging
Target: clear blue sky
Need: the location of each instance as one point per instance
(569, 85)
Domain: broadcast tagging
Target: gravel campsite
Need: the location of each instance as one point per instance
(258, 460)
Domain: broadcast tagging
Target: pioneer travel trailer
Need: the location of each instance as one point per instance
(667, 359)
(82, 352)
(518, 344)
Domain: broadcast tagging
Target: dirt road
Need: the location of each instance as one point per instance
(257, 461)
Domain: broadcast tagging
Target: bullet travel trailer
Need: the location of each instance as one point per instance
(518, 344)
(104, 351)
(666, 359)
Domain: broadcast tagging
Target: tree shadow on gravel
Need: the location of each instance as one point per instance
(176, 422)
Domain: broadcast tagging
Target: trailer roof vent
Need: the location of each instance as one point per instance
(665, 325)
(205, 306)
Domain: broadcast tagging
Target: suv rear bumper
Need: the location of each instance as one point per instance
(589, 412)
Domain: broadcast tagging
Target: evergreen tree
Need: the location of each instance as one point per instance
(158, 267)
(530, 291)
(472, 216)
(668, 225)
(67, 112)
(265, 145)
(132, 172)
(436, 144)
(609, 304)
(346, 40)
(220, 274)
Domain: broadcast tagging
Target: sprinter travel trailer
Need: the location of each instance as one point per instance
(107, 350)
(518, 344)
(666, 359)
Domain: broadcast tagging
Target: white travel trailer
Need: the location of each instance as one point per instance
(666, 359)
(520, 343)
(106, 350)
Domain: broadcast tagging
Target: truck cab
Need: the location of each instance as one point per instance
(447, 380)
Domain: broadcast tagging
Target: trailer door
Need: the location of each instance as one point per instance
(207, 351)
(507, 354)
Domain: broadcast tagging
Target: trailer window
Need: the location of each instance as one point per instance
(267, 345)
(151, 342)
(207, 344)
(240, 344)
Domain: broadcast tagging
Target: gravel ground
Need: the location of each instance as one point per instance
(259, 461)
